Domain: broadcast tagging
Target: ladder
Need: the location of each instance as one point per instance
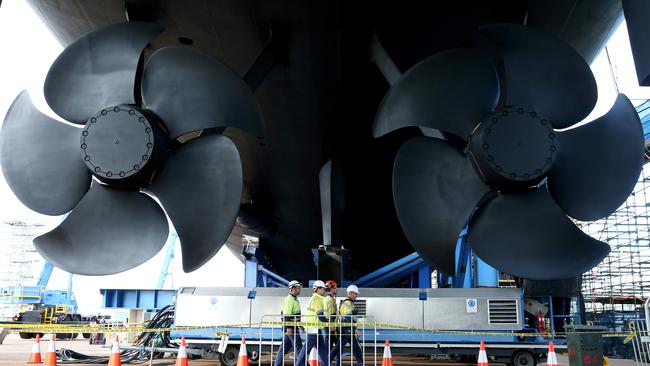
(48, 315)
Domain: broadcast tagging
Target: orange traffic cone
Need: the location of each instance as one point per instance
(387, 360)
(35, 356)
(313, 357)
(181, 360)
(50, 355)
(242, 360)
(551, 357)
(116, 359)
(482, 356)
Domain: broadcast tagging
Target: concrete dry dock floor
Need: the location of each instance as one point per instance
(14, 351)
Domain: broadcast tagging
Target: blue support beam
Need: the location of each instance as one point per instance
(388, 268)
(277, 279)
(255, 272)
(463, 278)
(424, 276)
(69, 293)
(487, 276)
(393, 276)
(137, 298)
(250, 273)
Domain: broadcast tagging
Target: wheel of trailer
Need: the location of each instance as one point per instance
(85, 335)
(253, 356)
(468, 358)
(523, 358)
(229, 356)
(26, 335)
(65, 335)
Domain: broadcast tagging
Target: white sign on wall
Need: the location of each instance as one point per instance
(472, 305)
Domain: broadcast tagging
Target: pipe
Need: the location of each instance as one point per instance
(276, 277)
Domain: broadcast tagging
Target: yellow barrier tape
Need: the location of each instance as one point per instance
(440, 331)
(140, 328)
(104, 328)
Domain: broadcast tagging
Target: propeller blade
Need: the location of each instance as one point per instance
(191, 90)
(98, 70)
(436, 191)
(200, 188)
(598, 163)
(450, 91)
(543, 74)
(41, 159)
(525, 234)
(108, 232)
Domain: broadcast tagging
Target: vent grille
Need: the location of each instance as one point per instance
(359, 306)
(503, 311)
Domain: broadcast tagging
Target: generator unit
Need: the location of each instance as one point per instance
(494, 309)
(426, 321)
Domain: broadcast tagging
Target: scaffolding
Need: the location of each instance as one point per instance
(18, 258)
(621, 282)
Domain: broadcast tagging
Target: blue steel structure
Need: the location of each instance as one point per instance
(256, 272)
(471, 271)
(137, 299)
(45, 275)
(169, 256)
(412, 265)
(643, 110)
(393, 335)
(39, 294)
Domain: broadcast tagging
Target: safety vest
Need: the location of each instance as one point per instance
(347, 307)
(291, 308)
(330, 307)
(347, 310)
(291, 305)
(316, 304)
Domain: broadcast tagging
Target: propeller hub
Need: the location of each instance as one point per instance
(514, 147)
(119, 143)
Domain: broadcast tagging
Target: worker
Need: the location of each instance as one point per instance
(348, 334)
(331, 288)
(290, 314)
(315, 315)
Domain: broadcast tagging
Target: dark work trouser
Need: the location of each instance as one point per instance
(309, 344)
(286, 346)
(344, 340)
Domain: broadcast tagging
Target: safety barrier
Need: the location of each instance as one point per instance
(270, 335)
(332, 332)
(640, 341)
(139, 327)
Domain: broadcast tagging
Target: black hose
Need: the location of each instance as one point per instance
(163, 319)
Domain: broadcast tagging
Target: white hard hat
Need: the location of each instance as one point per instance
(353, 288)
(318, 283)
(294, 283)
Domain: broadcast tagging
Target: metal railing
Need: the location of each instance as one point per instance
(359, 332)
(641, 341)
(20, 294)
